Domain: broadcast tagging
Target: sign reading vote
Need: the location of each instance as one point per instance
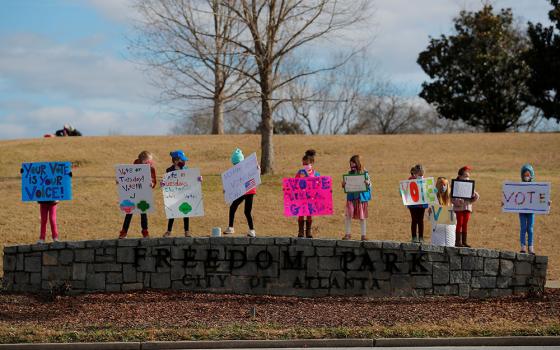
(182, 194)
(526, 197)
(418, 191)
(243, 177)
(135, 188)
(441, 215)
(308, 196)
(46, 181)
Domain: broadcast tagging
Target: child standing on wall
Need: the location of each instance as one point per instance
(357, 203)
(237, 157)
(144, 157)
(463, 209)
(179, 159)
(443, 234)
(307, 171)
(417, 211)
(527, 220)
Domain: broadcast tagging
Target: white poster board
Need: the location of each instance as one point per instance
(418, 191)
(462, 189)
(355, 183)
(244, 176)
(443, 215)
(526, 197)
(135, 188)
(182, 194)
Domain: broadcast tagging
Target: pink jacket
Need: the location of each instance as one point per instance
(464, 204)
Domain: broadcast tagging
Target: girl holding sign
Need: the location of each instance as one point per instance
(144, 157)
(443, 216)
(236, 158)
(357, 202)
(463, 209)
(307, 171)
(179, 160)
(417, 211)
(527, 220)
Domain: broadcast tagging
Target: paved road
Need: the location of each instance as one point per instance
(427, 348)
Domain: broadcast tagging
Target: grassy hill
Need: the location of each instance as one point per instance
(94, 214)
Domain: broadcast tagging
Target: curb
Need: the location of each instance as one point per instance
(297, 343)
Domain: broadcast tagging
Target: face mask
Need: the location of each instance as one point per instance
(443, 188)
(353, 168)
(308, 167)
(149, 162)
(181, 164)
(527, 178)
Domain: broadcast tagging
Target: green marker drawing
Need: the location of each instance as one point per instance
(143, 206)
(185, 208)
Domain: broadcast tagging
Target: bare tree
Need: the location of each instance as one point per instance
(189, 45)
(330, 102)
(277, 28)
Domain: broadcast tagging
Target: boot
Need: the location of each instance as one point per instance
(301, 223)
(308, 229)
(465, 244)
(458, 239)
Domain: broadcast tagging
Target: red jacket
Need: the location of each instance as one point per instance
(152, 171)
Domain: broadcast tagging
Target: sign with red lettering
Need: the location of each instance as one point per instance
(418, 191)
(526, 197)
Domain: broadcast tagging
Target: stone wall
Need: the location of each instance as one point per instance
(278, 266)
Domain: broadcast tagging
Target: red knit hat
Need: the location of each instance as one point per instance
(464, 169)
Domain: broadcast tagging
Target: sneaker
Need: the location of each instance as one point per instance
(55, 239)
(122, 235)
(414, 239)
(145, 234)
(41, 241)
(346, 237)
(364, 238)
(252, 233)
(187, 234)
(421, 240)
(229, 231)
(167, 234)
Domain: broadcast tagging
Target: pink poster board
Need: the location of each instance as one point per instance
(308, 196)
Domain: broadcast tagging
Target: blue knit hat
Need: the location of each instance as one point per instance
(179, 154)
(529, 168)
(237, 156)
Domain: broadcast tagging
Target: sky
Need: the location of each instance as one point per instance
(67, 61)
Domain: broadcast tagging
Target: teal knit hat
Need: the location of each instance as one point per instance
(237, 156)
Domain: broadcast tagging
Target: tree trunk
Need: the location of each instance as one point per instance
(218, 119)
(267, 131)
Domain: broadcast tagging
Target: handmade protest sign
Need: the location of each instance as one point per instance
(443, 215)
(463, 189)
(135, 188)
(242, 177)
(182, 194)
(46, 181)
(355, 183)
(307, 196)
(526, 197)
(418, 191)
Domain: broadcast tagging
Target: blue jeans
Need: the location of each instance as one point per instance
(526, 222)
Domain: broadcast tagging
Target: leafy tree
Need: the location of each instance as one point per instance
(477, 73)
(544, 60)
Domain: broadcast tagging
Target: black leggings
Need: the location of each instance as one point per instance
(128, 218)
(248, 198)
(171, 221)
(417, 216)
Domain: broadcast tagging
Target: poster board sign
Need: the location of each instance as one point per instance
(241, 178)
(443, 215)
(463, 189)
(182, 194)
(418, 191)
(355, 183)
(135, 188)
(46, 181)
(308, 196)
(526, 197)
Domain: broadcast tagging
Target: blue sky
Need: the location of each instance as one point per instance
(66, 61)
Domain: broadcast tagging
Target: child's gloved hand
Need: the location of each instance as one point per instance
(199, 179)
(343, 184)
(70, 174)
(21, 170)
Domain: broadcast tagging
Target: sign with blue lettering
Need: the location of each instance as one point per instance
(46, 181)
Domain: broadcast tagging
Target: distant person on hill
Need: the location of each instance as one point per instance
(68, 130)
(307, 161)
(463, 209)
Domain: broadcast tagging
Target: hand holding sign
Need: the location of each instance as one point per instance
(526, 197)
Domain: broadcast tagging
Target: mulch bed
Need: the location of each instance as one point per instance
(185, 309)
